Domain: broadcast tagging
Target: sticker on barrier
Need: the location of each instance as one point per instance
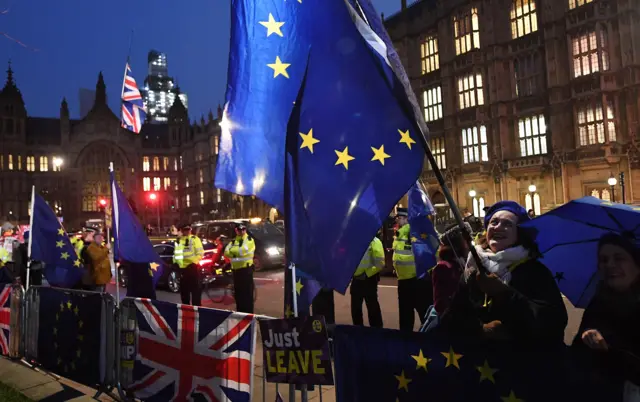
(10, 319)
(180, 351)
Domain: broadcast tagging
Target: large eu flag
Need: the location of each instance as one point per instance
(50, 243)
(131, 243)
(353, 143)
(389, 365)
(70, 335)
(424, 238)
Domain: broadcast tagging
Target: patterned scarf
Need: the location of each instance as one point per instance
(496, 263)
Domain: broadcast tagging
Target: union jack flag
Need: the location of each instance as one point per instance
(133, 111)
(5, 319)
(184, 350)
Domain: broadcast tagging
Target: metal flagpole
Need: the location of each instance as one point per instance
(33, 198)
(114, 214)
(294, 300)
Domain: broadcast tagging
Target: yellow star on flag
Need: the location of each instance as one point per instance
(379, 154)
(299, 286)
(77, 262)
(403, 382)
(273, 26)
(80, 324)
(414, 239)
(486, 372)
(55, 330)
(424, 236)
(511, 398)
(78, 353)
(60, 244)
(308, 141)
(61, 307)
(61, 232)
(64, 255)
(421, 361)
(69, 305)
(75, 310)
(287, 312)
(279, 68)
(80, 338)
(154, 266)
(406, 138)
(344, 158)
(452, 358)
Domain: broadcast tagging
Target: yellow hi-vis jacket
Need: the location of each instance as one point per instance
(373, 260)
(240, 251)
(188, 250)
(403, 260)
(4, 257)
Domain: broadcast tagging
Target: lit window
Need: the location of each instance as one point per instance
(478, 207)
(532, 132)
(145, 163)
(89, 203)
(1, 162)
(577, 3)
(216, 145)
(186, 182)
(44, 164)
(470, 91)
(19, 162)
(167, 183)
(528, 72)
(474, 145)
(535, 205)
(594, 127)
(432, 99)
(180, 162)
(156, 183)
(201, 197)
(218, 195)
(31, 163)
(10, 162)
(175, 164)
(523, 18)
(590, 53)
(165, 163)
(466, 31)
(438, 151)
(201, 174)
(146, 183)
(156, 164)
(188, 201)
(429, 54)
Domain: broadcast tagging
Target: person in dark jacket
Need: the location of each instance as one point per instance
(518, 300)
(21, 261)
(608, 341)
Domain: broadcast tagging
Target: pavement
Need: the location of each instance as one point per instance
(41, 386)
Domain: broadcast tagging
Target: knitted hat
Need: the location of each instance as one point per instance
(402, 212)
(510, 206)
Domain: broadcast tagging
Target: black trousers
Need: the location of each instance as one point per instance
(413, 295)
(323, 304)
(243, 289)
(366, 290)
(190, 289)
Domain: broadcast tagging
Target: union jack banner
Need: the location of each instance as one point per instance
(5, 319)
(184, 351)
(133, 111)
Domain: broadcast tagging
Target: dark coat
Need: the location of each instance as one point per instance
(532, 310)
(619, 323)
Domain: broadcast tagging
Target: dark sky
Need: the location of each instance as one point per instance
(75, 39)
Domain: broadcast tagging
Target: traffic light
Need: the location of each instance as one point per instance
(102, 204)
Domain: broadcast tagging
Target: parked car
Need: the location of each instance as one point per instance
(269, 239)
(211, 265)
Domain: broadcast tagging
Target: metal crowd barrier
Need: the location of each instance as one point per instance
(12, 322)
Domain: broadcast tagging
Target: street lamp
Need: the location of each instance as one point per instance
(612, 183)
(472, 193)
(532, 189)
(153, 197)
(57, 162)
(621, 181)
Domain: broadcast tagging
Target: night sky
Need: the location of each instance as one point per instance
(75, 39)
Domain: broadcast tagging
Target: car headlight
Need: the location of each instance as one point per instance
(272, 251)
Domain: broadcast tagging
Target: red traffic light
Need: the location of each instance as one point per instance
(153, 196)
(103, 202)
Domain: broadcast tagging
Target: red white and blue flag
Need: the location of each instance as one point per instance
(133, 111)
(184, 351)
(5, 319)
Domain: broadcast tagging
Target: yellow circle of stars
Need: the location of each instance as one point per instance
(67, 366)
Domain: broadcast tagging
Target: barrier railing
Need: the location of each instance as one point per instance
(11, 297)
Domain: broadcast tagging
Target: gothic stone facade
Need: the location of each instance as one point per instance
(522, 92)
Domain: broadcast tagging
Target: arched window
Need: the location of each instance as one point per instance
(478, 207)
(523, 18)
(533, 203)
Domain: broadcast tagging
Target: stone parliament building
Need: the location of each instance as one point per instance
(67, 161)
(535, 101)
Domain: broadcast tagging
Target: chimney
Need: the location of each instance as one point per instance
(403, 4)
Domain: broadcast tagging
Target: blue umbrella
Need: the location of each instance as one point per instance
(567, 237)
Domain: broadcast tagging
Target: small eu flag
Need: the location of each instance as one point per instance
(424, 238)
(353, 147)
(70, 335)
(131, 243)
(50, 244)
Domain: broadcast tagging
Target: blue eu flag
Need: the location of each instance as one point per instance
(50, 244)
(131, 242)
(353, 144)
(424, 238)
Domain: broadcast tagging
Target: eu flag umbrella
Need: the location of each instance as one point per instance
(567, 237)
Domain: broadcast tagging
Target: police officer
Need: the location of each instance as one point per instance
(364, 285)
(410, 289)
(187, 254)
(240, 251)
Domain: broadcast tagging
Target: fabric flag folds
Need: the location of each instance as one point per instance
(424, 237)
(50, 244)
(133, 110)
(353, 147)
(389, 365)
(131, 243)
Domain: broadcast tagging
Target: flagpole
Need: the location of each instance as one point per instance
(33, 198)
(114, 216)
